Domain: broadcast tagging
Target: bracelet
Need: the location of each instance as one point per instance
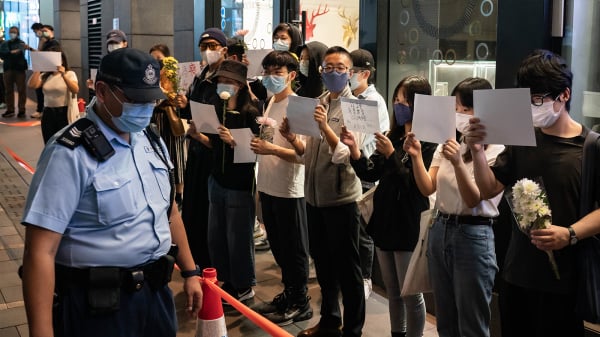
(190, 273)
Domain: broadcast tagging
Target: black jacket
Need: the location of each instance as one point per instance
(397, 203)
(13, 61)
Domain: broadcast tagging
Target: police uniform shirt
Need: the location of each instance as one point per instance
(111, 213)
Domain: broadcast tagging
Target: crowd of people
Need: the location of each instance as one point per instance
(304, 189)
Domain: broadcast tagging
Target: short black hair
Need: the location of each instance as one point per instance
(280, 59)
(15, 27)
(545, 72)
(338, 50)
(162, 48)
(49, 27)
(464, 89)
(37, 26)
(236, 46)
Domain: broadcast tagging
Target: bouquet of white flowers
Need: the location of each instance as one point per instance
(530, 206)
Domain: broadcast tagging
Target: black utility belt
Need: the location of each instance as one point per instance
(466, 219)
(155, 274)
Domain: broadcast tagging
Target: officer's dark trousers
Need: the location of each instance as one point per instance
(144, 313)
(333, 242)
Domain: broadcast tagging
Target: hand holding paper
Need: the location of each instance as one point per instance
(300, 115)
(360, 115)
(205, 117)
(45, 61)
(434, 118)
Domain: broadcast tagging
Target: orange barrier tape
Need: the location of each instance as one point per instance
(20, 161)
(23, 124)
(268, 326)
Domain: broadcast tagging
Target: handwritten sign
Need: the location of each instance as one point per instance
(360, 115)
(187, 71)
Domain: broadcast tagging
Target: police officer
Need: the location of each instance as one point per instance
(96, 217)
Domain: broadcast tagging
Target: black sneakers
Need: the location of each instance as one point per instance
(240, 295)
(294, 312)
(8, 114)
(279, 303)
(21, 114)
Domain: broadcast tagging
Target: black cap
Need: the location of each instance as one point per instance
(363, 59)
(216, 34)
(234, 70)
(137, 73)
(115, 36)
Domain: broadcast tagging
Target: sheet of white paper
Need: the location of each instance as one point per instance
(93, 73)
(45, 61)
(360, 115)
(187, 71)
(242, 152)
(205, 117)
(434, 118)
(300, 114)
(255, 57)
(506, 114)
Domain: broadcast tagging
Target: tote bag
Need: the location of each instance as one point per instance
(72, 108)
(417, 275)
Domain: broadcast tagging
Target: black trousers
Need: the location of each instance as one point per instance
(53, 120)
(333, 241)
(287, 230)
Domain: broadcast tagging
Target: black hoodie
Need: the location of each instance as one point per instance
(312, 86)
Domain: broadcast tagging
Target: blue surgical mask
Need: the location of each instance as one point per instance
(403, 114)
(281, 45)
(274, 83)
(230, 88)
(135, 116)
(303, 67)
(334, 81)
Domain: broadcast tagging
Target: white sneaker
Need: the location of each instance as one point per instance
(36, 114)
(2, 105)
(368, 287)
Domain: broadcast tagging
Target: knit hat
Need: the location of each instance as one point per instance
(216, 34)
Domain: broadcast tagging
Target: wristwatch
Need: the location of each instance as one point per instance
(573, 237)
(190, 273)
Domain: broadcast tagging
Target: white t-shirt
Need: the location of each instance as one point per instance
(448, 199)
(56, 93)
(276, 176)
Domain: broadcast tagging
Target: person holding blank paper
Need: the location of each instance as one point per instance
(397, 205)
(461, 253)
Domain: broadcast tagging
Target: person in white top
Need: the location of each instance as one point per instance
(58, 86)
(280, 184)
(461, 253)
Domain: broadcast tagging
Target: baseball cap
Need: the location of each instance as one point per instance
(115, 36)
(362, 59)
(234, 70)
(215, 34)
(136, 72)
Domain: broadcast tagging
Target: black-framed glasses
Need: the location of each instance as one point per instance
(538, 99)
(340, 68)
(209, 45)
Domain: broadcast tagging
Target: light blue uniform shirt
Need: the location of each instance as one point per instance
(111, 213)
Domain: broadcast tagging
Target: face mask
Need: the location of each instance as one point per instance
(38, 33)
(280, 45)
(402, 113)
(274, 83)
(544, 116)
(303, 68)
(114, 46)
(334, 81)
(135, 116)
(211, 56)
(230, 88)
(462, 122)
(46, 34)
(12, 36)
(354, 81)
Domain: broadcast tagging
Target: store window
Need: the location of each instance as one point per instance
(22, 14)
(442, 40)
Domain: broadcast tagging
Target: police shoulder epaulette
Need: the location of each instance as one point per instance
(72, 137)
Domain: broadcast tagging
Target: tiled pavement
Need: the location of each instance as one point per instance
(27, 143)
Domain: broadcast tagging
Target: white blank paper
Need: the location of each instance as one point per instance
(242, 152)
(301, 116)
(45, 61)
(205, 117)
(434, 119)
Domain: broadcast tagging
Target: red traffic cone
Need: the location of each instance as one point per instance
(211, 321)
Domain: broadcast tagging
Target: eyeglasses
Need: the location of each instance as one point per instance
(210, 45)
(329, 68)
(538, 99)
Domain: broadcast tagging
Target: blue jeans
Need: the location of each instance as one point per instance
(462, 267)
(407, 314)
(230, 241)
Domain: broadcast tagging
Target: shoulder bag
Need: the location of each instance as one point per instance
(417, 274)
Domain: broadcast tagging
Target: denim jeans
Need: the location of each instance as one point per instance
(407, 314)
(230, 241)
(462, 267)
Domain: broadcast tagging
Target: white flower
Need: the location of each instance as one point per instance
(225, 95)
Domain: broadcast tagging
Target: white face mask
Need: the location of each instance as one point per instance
(303, 67)
(462, 122)
(211, 56)
(114, 46)
(354, 81)
(544, 116)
